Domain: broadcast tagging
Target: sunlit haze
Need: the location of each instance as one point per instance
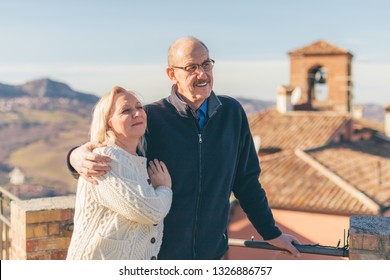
(95, 45)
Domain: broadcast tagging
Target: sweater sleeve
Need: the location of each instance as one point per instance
(70, 167)
(248, 190)
(134, 200)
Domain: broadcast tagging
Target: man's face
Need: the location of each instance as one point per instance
(194, 86)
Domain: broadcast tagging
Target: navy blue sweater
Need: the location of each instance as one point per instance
(206, 166)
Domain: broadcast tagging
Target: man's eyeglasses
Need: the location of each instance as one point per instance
(207, 65)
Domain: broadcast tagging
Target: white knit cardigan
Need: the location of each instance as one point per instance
(122, 217)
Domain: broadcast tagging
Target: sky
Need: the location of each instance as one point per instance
(94, 45)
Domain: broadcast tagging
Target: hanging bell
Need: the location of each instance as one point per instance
(320, 79)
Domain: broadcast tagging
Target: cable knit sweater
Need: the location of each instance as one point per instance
(122, 217)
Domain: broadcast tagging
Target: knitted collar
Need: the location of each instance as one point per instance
(183, 109)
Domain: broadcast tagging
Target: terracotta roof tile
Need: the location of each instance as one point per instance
(299, 129)
(364, 164)
(319, 48)
(293, 184)
(310, 172)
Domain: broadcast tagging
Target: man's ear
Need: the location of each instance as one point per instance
(171, 74)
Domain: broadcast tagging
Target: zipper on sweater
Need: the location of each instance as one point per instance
(199, 196)
(200, 141)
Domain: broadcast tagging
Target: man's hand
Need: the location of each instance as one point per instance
(286, 241)
(89, 164)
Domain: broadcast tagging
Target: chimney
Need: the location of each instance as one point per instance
(257, 142)
(283, 99)
(357, 111)
(387, 120)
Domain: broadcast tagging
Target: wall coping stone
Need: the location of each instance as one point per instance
(47, 203)
(372, 225)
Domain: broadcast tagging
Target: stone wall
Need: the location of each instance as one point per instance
(369, 238)
(39, 228)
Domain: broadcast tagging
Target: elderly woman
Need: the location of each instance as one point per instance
(122, 216)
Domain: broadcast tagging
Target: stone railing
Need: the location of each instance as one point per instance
(41, 229)
(369, 238)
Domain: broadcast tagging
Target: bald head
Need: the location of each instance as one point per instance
(182, 46)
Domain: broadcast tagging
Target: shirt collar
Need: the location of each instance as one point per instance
(180, 98)
(182, 107)
(203, 107)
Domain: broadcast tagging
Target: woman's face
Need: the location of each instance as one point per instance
(128, 117)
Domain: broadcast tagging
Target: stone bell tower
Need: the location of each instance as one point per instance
(320, 77)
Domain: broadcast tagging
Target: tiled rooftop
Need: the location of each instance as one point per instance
(314, 170)
(319, 48)
(364, 164)
(293, 184)
(300, 129)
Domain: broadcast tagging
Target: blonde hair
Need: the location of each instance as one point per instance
(99, 131)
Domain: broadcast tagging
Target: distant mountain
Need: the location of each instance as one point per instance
(7, 91)
(45, 88)
(254, 105)
(46, 94)
(39, 122)
(374, 112)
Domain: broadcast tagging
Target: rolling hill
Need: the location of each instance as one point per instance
(39, 122)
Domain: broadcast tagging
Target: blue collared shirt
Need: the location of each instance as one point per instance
(202, 113)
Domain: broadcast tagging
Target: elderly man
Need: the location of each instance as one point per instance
(205, 141)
